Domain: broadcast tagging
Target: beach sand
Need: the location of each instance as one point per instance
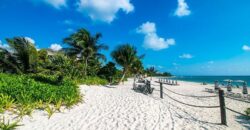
(121, 108)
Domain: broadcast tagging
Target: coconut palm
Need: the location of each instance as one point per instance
(21, 56)
(151, 71)
(8, 62)
(137, 67)
(125, 56)
(85, 47)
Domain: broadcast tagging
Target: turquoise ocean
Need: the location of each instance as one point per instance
(211, 79)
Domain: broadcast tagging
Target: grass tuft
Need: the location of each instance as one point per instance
(7, 125)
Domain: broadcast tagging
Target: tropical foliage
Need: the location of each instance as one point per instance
(24, 90)
(108, 71)
(20, 58)
(126, 56)
(7, 125)
(247, 111)
(85, 48)
(32, 78)
(152, 71)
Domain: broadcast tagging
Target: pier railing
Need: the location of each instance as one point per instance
(221, 96)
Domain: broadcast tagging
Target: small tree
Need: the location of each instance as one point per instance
(21, 57)
(108, 71)
(126, 56)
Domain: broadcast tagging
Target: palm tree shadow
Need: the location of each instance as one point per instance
(109, 86)
(244, 121)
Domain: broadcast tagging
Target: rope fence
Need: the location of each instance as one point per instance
(221, 96)
(237, 99)
(190, 104)
(236, 112)
(190, 95)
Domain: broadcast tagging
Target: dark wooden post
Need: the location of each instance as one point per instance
(161, 90)
(222, 108)
(216, 85)
(149, 87)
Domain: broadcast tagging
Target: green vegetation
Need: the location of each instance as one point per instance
(151, 71)
(92, 81)
(26, 93)
(247, 111)
(32, 78)
(86, 49)
(127, 57)
(7, 125)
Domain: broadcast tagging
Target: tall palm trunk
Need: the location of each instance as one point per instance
(123, 75)
(86, 66)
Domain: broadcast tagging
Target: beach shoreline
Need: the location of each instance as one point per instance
(120, 107)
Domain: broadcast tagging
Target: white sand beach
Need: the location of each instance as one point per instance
(121, 108)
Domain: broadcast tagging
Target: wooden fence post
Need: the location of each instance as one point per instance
(222, 107)
(161, 90)
(216, 85)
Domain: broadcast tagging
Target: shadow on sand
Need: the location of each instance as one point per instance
(109, 86)
(244, 121)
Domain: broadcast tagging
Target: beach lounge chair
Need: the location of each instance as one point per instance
(147, 89)
(172, 82)
(244, 90)
(176, 83)
(209, 90)
(229, 87)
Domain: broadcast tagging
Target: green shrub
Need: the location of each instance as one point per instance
(6, 102)
(25, 91)
(108, 71)
(50, 79)
(247, 111)
(92, 81)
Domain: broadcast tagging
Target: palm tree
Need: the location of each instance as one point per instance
(125, 56)
(137, 67)
(21, 57)
(151, 71)
(85, 47)
(8, 62)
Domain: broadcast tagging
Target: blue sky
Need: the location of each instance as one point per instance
(185, 37)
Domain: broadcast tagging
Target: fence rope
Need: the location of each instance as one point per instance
(190, 95)
(154, 84)
(237, 99)
(190, 104)
(236, 112)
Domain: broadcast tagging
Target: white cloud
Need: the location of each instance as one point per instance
(104, 10)
(246, 48)
(4, 46)
(151, 39)
(182, 9)
(55, 47)
(55, 3)
(186, 56)
(30, 40)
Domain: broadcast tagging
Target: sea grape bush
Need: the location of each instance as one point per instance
(22, 91)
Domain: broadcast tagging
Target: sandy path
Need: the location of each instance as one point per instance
(121, 108)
